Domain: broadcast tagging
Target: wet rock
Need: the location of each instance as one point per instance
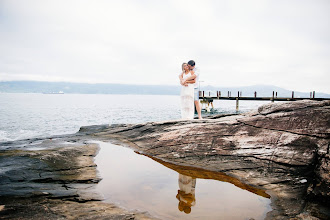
(47, 170)
(44, 208)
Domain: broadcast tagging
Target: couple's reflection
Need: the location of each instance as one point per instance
(186, 193)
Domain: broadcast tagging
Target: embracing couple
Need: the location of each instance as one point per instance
(189, 91)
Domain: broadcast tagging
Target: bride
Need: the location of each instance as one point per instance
(187, 92)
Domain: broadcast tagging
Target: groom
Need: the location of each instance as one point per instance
(191, 65)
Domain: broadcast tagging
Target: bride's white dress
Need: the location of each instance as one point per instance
(187, 99)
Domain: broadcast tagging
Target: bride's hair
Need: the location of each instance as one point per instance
(182, 67)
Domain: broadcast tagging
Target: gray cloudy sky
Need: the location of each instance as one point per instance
(234, 43)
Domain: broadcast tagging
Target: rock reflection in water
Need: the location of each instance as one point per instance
(195, 172)
(168, 191)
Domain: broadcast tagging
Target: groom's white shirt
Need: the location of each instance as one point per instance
(197, 72)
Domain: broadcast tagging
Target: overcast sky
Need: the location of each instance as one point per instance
(234, 43)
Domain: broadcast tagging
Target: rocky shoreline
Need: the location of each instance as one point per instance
(282, 149)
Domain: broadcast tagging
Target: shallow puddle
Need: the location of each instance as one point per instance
(168, 191)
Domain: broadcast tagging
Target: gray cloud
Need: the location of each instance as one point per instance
(235, 43)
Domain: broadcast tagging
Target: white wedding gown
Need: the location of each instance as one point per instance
(187, 100)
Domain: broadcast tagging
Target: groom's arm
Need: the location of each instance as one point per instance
(191, 79)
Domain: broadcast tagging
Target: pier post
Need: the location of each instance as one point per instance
(203, 94)
(273, 97)
(237, 101)
(255, 94)
(313, 94)
(310, 95)
(276, 94)
(292, 94)
(209, 94)
(228, 94)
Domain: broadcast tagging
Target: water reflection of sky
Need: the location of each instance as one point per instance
(138, 182)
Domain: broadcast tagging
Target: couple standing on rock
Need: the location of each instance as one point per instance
(189, 91)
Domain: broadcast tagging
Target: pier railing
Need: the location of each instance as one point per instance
(206, 96)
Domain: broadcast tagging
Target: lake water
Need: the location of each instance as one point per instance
(27, 115)
(168, 191)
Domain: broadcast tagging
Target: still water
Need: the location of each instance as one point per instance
(168, 191)
(29, 115)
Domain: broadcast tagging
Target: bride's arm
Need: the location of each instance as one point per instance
(181, 79)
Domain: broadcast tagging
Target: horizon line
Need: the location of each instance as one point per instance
(266, 85)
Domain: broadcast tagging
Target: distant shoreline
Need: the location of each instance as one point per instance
(111, 88)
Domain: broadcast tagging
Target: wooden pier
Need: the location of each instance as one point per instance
(203, 96)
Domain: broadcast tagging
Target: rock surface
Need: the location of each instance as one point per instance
(282, 148)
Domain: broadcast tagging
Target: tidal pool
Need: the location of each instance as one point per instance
(167, 191)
